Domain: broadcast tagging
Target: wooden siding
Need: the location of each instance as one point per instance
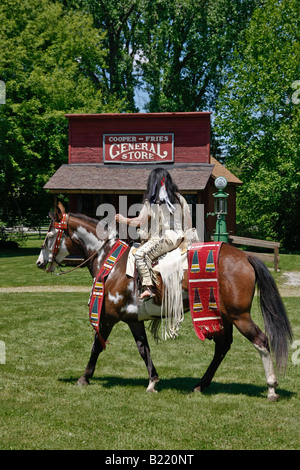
(191, 134)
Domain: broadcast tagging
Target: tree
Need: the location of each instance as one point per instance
(187, 46)
(175, 50)
(49, 62)
(122, 24)
(258, 124)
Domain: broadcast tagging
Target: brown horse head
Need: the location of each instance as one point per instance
(71, 234)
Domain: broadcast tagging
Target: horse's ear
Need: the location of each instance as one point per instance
(61, 208)
(59, 211)
(57, 215)
(52, 216)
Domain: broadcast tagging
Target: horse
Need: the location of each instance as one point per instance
(239, 275)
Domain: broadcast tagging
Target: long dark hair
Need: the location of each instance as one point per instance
(155, 179)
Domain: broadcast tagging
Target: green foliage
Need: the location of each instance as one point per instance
(187, 44)
(258, 123)
(49, 63)
(122, 24)
(175, 50)
(10, 239)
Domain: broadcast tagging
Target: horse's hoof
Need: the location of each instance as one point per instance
(273, 397)
(82, 381)
(151, 390)
(151, 386)
(197, 389)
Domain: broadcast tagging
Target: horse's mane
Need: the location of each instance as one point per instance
(85, 218)
(109, 229)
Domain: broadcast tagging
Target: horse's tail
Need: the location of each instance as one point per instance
(277, 325)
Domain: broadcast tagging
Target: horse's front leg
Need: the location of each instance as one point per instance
(97, 348)
(90, 368)
(139, 333)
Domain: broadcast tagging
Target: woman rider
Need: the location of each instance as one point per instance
(164, 218)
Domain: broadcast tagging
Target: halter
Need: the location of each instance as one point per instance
(61, 226)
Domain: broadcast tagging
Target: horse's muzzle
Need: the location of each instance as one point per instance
(41, 265)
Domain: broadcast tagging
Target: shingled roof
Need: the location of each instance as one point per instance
(221, 170)
(116, 178)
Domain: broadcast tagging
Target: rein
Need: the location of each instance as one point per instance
(80, 265)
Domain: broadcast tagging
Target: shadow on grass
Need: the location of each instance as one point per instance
(22, 251)
(185, 385)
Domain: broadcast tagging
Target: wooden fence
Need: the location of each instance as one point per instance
(23, 232)
(262, 244)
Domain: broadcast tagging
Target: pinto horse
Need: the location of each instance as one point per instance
(239, 273)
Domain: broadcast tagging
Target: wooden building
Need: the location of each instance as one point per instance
(111, 155)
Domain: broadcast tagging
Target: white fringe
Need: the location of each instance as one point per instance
(172, 312)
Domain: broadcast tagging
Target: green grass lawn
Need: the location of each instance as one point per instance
(48, 339)
(18, 268)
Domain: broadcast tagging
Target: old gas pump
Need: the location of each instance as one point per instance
(220, 207)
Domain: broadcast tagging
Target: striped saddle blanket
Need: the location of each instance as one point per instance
(203, 287)
(97, 293)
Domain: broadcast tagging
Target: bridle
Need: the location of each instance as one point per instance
(62, 226)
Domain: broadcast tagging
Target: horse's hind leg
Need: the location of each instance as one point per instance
(250, 330)
(222, 346)
(138, 330)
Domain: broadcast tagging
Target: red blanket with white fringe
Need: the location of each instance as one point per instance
(203, 282)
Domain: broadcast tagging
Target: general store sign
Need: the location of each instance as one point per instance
(138, 148)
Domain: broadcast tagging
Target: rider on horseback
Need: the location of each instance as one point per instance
(164, 218)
